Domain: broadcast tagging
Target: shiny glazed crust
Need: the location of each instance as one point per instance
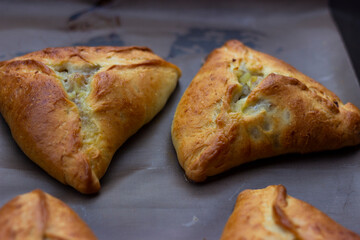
(270, 213)
(37, 216)
(218, 125)
(69, 109)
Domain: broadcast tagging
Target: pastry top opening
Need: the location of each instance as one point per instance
(76, 81)
(247, 80)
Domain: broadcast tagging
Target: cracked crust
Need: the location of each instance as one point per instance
(217, 126)
(270, 213)
(37, 216)
(69, 109)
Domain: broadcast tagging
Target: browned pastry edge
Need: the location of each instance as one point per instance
(128, 87)
(37, 216)
(270, 213)
(287, 112)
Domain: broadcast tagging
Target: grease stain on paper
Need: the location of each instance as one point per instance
(97, 16)
(111, 39)
(204, 40)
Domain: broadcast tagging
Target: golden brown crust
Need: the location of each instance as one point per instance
(286, 112)
(270, 213)
(70, 109)
(37, 216)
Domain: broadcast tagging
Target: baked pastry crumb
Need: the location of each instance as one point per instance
(69, 109)
(37, 216)
(270, 213)
(245, 105)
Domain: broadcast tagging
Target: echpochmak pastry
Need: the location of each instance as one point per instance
(245, 105)
(37, 216)
(270, 213)
(69, 109)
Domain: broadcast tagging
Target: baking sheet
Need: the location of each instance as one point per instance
(144, 193)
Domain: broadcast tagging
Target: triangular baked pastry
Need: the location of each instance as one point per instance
(69, 109)
(37, 215)
(245, 105)
(270, 213)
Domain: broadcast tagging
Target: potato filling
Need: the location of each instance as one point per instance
(77, 84)
(247, 80)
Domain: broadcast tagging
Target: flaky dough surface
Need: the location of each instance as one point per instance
(37, 216)
(270, 213)
(69, 109)
(245, 105)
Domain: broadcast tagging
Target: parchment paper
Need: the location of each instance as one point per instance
(144, 193)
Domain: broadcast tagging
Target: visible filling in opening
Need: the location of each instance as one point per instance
(248, 80)
(77, 84)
